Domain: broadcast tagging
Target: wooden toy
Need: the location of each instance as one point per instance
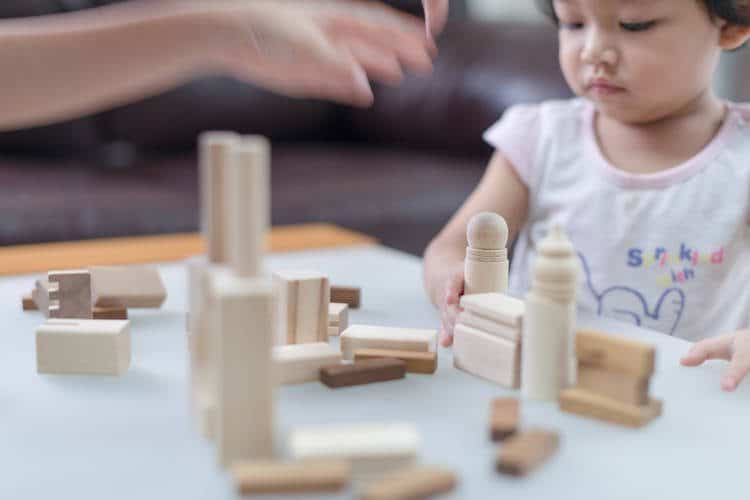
(303, 299)
(338, 318)
(352, 296)
(511, 333)
(411, 483)
(487, 356)
(521, 454)
(28, 304)
(416, 362)
(215, 156)
(497, 307)
(40, 296)
(298, 477)
(131, 287)
(589, 404)
(504, 417)
(486, 263)
(381, 337)
(69, 294)
(300, 363)
(362, 372)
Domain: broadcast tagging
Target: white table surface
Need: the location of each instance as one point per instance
(132, 437)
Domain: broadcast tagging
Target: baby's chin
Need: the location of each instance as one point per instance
(628, 112)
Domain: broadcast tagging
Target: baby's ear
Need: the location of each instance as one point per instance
(733, 36)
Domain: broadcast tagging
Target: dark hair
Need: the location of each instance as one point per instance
(733, 11)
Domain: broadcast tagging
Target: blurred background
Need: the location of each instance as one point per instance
(396, 171)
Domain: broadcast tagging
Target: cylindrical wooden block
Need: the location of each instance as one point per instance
(485, 277)
(215, 154)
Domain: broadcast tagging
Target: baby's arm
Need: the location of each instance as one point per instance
(734, 348)
(500, 190)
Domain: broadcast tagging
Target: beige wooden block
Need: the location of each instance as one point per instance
(588, 404)
(70, 294)
(600, 350)
(619, 386)
(299, 477)
(131, 287)
(28, 304)
(40, 296)
(301, 363)
(411, 483)
(372, 449)
(350, 295)
(248, 205)
(504, 417)
(382, 337)
(83, 346)
(487, 356)
(495, 306)
(215, 157)
(416, 362)
(302, 298)
(524, 452)
(243, 320)
(333, 331)
(498, 329)
(338, 314)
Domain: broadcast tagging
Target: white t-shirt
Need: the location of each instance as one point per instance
(668, 251)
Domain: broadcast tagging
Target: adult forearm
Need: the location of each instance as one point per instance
(63, 66)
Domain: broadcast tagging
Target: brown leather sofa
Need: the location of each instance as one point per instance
(396, 171)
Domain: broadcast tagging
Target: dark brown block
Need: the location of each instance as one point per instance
(363, 372)
(526, 451)
(28, 304)
(346, 295)
(504, 415)
(110, 313)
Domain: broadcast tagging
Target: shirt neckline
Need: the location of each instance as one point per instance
(665, 178)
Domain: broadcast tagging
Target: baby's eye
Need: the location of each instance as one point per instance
(570, 26)
(635, 27)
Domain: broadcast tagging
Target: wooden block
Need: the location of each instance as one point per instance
(40, 295)
(362, 372)
(588, 404)
(619, 386)
(416, 362)
(338, 314)
(524, 452)
(299, 477)
(495, 306)
(242, 319)
(504, 417)
(382, 337)
(83, 346)
(28, 304)
(70, 294)
(498, 329)
(349, 295)
(215, 156)
(599, 350)
(110, 313)
(248, 205)
(372, 449)
(333, 331)
(411, 483)
(486, 356)
(302, 298)
(131, 287)
(300, 363)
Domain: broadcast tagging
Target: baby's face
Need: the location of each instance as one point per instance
(638, 60)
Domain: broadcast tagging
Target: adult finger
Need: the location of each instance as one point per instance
(380, 65)
(713, 348)
(436, 16)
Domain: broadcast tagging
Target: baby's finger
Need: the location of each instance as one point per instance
(739, 367)
(454, 289)
(713, 348)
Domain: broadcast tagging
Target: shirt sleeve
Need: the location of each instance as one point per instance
(517, 135)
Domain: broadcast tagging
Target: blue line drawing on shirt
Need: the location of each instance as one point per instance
(628, 304)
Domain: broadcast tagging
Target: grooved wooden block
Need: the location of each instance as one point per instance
(363, 372)
(381, 337)
(591, 405)
(492, 327)
(83, 346)
(619, 386)
(300, 363)
(495, 306)
(599, 350)
(298, 477)
(504, 416)
(411, 483)
(28, 304)
(302, 302)
(524, 452)
(40, 296)
(416, 362)
(349, 295)
(487, 356)
(70, 294)
(131, 287)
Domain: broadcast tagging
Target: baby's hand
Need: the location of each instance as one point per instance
(734, 348)
(449, 308)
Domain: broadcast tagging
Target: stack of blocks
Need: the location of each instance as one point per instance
(487, 338)
(613, 380)
(338, 318)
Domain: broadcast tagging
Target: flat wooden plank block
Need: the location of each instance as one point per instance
(83, 346)
(524, 452)
(504, 417)
(487, 356)
(302, 304)
(110, 313)
(382, 337)
(600, 350)
(300, 363)
(362, 372)
(416, 362)
(615, 385)
(131, 287)
(587, 404)
(350, 295)
(412, 482)
(70, 294)
(28, 304)
(297, 477)
(492, 327)
(495, 306)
